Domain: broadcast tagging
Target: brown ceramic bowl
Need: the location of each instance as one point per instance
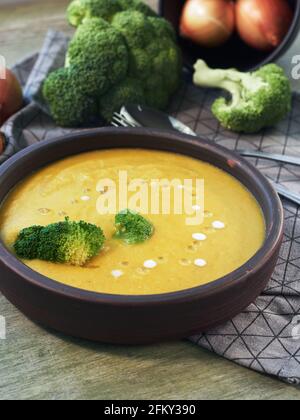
(235, 53)
(139, 319)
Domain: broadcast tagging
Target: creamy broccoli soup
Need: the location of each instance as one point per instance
(176, 257)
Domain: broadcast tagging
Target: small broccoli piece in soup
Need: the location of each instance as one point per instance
(132, 228)
(66, 242)
(26, 245)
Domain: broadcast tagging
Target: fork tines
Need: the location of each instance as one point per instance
(123, 119)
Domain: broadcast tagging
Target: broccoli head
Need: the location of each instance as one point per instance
(98, 46)
(79, 10)
(122, 52)
(152, 53)
(73, 92)
(132, 228)
(259, 99)
(65, 91)
(67, 242)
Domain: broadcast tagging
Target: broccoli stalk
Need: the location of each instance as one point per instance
(257, 100)
(132, 228)
(67, 242)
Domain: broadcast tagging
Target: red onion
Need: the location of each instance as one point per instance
(11, 98)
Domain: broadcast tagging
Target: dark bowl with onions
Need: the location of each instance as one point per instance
(235, 52)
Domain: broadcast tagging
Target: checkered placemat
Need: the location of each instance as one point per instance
(266, 336)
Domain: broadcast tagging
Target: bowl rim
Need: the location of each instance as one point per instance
(237, 277)
(279, 51)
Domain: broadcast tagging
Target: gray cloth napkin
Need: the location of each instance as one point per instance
(266, 336)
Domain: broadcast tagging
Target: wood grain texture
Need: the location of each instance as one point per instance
(39, 364)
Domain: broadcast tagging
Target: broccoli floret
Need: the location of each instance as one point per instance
(26, 245)
(152, 53)
(67, 242)
(65, 91)
(156, 93)
(137, 5)
(166, 57)
(163, 28)
(132, 228)
(99, 46)
(259, 99)
(126, 92)
(136, 28)
(79, 10)
(73, 92)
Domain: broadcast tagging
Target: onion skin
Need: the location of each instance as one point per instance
(209, 23)
(11, 96)
(2, 143)
(263, 24)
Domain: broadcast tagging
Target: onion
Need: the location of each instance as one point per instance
(2, 143)
(209, 23)
(11, 98)
(263, 24)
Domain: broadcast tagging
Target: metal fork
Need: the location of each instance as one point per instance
(124, 119)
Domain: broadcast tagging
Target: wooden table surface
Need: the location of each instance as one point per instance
(38, 364)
